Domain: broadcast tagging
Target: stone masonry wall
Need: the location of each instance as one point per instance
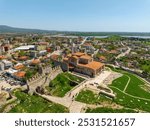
(43, 79)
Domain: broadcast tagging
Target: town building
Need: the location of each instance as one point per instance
(7, 64)
(84, 64)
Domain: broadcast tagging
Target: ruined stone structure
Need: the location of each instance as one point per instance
(43, 78)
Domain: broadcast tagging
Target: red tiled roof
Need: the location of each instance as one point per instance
(18, 67)
(23, 58)
(20, 74)
(35, 61)
(92, 65)
(78, 54)
(86, 57)
(2, 57)
(54, 57)
(87, 44)
(102, 57)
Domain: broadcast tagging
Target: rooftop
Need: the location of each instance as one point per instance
(35, 61)
(2, 57)
(86, 57)
(92, 65)
(24, 47)
(19, 66)
(20, 74)
(23, 58)
(78, 54)
(54, 57)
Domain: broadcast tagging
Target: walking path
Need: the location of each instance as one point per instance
(99, 80)
(74, 106)
(68, 100)
(124, 53)
(127, 83)
(131, 95)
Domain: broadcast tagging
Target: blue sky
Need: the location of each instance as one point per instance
(77, 15)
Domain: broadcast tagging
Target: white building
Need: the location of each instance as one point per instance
(7, 64)
(28, 47)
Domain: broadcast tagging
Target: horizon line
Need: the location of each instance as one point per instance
(75, 30)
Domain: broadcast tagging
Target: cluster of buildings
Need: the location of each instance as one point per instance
(22, 56)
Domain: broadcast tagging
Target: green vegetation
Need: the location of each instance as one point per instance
(30, 72)
(35, 104)
(134, 96)
(63, 83)
(23, 53)
(74, 78)
(89, 97)
(142, 64)
(109, 110)
(131, 102)
(120, 82)
(134, 87)
(113, 38)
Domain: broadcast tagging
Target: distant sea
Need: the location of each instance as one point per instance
(143, 37)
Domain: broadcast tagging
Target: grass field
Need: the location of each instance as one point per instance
(109, 110)
(89, 97)
(63, 83)
(35, 104)
(131, 102)
(120, 82)
(129, 94)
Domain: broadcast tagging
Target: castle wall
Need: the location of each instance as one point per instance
(43, 79)
(63, 65)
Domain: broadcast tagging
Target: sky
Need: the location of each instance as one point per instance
(77, 15)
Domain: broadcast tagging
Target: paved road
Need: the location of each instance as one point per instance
(124, 53)
(84, 41)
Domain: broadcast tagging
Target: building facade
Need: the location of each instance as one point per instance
(84, 64)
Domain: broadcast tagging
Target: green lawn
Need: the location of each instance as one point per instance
(130, 102)
(63, 83)
(35, 104)
(123, 99)
(89, 97)
(109, 110)
(134, 87)
(120, 82)
(74, 78)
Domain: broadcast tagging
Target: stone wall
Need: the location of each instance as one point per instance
(43, 79)
(63, 65)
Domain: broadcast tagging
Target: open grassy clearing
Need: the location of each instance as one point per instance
(120, 82)
(109, 110)
(63, 83)
(89, 97)
(35, 104)
(131, 102)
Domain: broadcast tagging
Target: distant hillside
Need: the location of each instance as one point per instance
(8, 29)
